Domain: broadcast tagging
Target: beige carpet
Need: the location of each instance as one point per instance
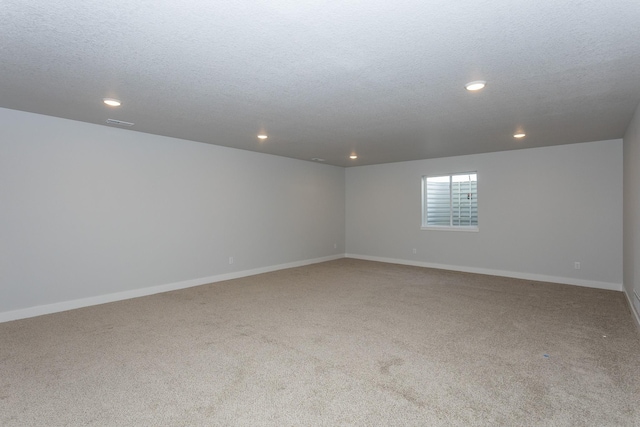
(342, 343)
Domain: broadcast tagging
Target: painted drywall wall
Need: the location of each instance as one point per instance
(632, 211)
(90, 210)
(540, 210)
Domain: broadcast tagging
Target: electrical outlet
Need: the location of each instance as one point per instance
(576, 265)
(335, 246)
(230, 260)
(415, 251)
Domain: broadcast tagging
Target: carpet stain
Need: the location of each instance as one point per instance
(406, 393)
(385, 365)
(245, 330)
(320, 370)
(269, 340)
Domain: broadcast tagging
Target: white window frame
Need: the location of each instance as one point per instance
(425, 226)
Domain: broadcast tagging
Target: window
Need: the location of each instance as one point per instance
(450, 202)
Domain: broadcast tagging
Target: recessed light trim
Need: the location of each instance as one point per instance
(475, 85)
(519, 135)
(112, 102)
(262, 136)
(318, 159)
(353, 156)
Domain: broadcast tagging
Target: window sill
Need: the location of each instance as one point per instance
(473, 229)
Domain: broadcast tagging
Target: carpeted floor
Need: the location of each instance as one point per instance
(342, 343)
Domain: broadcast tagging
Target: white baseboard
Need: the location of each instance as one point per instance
(135, 293)
(503, 273)
(633, 306)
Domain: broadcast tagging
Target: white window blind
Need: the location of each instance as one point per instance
(450, 200)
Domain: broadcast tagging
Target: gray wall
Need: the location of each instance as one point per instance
(539, 211)
(90, 210)
(632, 211)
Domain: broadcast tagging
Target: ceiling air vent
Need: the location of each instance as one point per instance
(119, 122)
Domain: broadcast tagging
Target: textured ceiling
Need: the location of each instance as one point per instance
(384, 79)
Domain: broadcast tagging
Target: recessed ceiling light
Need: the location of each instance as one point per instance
(519, 135)
(353, 157)
(262, 136)
(112, 102)
(318, 159)
(477, 85)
